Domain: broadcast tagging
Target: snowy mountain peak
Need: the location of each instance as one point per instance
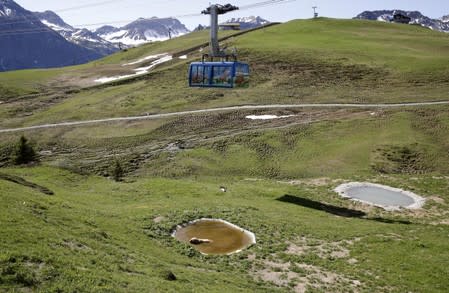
(415, 16)
(52, 20)
(86, 35)
(9, 8)
(28, 43)
(4, 11)
(249, 21)
(81, 37)
(445, 19)
(143, 30)
(106, 29)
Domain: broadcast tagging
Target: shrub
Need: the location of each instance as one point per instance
(117, 171)
(24, 152)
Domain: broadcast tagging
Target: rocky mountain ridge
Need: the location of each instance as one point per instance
(143, 30)
(248, 22)
(82, 37)
(28, 43)
(417, 17)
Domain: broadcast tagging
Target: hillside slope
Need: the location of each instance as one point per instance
(68, 226)
(320, 60)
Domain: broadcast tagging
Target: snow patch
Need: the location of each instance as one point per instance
(249, 19)
(183, 57)
(55, 27)
(79, 37)
(139, 71)
(384, 18)
(142, 70)
(88, 39)
(145, 59)
(122, 36)
(267, 117)
(128, 38)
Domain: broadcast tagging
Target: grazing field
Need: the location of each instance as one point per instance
(300, 61)
(68, 226)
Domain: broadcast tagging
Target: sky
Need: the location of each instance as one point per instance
(93, 13)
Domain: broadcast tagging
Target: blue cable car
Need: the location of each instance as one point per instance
(223, 74)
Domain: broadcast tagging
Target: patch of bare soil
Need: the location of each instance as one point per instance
(215, 130)
(74, 245)
(300, 277)
(445, 222)
(323, 181)
(326, 250)
(235, 122)
(436, 199)
(313, 73)
(26, 106)
(159, 219)
(86, 78)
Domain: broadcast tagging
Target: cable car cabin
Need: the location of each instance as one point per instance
(219, 74)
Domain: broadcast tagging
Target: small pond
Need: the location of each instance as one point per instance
(214, 236)
(380, 195)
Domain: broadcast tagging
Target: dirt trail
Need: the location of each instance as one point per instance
(222, 109)
(23, 182)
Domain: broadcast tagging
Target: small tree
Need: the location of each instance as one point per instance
(24, 152)
(117, 171)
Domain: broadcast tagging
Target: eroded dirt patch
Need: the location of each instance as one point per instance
(323, 249)
(322, 181)
(300, 276)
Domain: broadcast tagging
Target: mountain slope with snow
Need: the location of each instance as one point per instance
(445, 19)
(417, 17)
(248, 22)
(81, 37)
(143, 31)
(28, 43)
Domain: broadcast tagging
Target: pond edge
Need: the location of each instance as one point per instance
(251, 235)
(418, 200)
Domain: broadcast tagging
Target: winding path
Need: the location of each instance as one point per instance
(222, 109)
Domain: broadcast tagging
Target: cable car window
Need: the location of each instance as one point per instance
(221, 75)
(206, 74)
(242, 76)
(196, 74)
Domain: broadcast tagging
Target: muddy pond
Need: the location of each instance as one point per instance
(380, 195)
(214, 236)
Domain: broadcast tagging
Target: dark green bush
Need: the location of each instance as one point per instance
(117, 171)
(24, 152)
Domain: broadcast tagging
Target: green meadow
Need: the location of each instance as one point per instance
(67, 226)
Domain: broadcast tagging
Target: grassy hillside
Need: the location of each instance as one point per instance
(66, 226)
(15, 83)
(96, 235)
(322, 60)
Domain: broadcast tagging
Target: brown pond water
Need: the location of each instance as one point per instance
(215, 236)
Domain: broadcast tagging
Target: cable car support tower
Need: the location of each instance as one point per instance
(214, 10)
